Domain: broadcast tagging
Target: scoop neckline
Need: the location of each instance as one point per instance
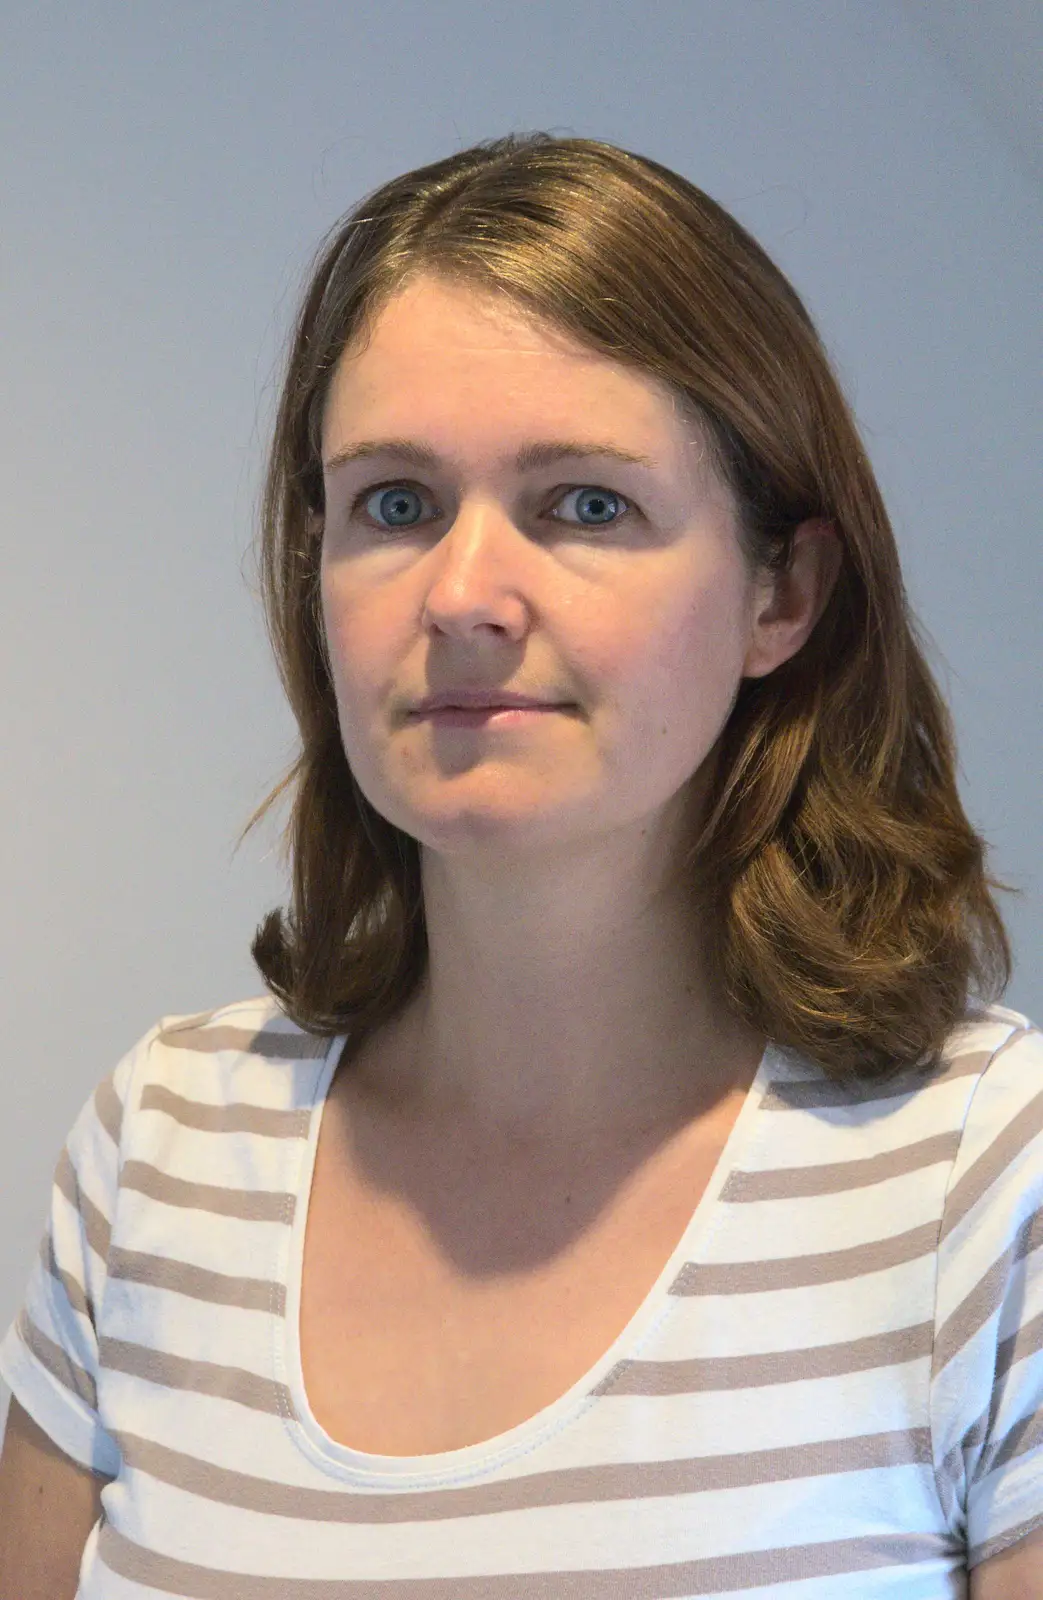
(368, 1469)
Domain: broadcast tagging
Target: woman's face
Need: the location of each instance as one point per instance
(615, 587)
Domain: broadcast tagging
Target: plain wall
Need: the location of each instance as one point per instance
(166, 175)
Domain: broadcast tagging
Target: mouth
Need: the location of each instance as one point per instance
(478, 716)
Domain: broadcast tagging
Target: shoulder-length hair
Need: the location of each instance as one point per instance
(850, 904)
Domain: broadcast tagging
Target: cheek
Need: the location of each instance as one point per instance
(692, 649)
(705, 650)
(348, 618)
(680, 683)
(352, 639)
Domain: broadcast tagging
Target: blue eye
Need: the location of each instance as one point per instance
(395, 501)
(600, 498)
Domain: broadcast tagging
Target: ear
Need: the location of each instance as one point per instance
(787, 605)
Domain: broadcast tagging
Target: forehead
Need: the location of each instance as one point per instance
(429, 309)
(439, 351)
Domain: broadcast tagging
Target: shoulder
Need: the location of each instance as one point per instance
(986, 1361)
(243, 1068)
(994, 1193)
(999, 1058)
(989, 1030)
(246, 1047)
(991, 1096)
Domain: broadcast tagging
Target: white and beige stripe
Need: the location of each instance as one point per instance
(863, 1198)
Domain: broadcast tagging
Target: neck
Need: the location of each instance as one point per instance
(596, 1024)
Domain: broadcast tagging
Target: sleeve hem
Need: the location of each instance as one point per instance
(976, 1554)
(61, 1416)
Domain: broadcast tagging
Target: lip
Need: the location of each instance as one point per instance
(479, 700)
(484, 716)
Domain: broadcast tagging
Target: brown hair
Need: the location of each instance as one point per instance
(851, 904)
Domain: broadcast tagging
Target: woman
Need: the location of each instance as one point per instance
(628, 1185)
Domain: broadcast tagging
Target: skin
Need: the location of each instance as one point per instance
(566, 997)
(48, 1506)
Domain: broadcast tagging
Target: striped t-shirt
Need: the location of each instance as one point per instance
(834, 1388)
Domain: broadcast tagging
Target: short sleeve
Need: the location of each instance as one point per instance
(49, 1354)
(987, 1363)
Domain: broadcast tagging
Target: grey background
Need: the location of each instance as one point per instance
(166, 172)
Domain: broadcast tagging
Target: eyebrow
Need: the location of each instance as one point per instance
(537, 453)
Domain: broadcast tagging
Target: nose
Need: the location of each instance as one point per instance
(484, 567)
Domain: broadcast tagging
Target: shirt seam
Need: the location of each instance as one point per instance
(139, 1064)
(1016, 1031)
